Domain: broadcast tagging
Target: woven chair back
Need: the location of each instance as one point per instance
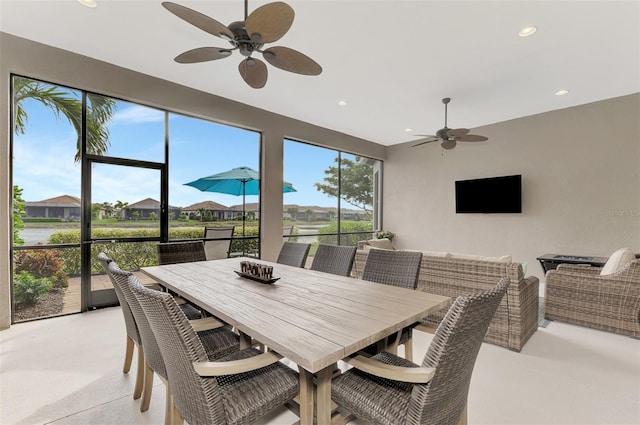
(334, 259)
(453, 353)
(124, 280)
(180, 252)
(293, 254)
(129, 319)
(197, 399)
(396, 268)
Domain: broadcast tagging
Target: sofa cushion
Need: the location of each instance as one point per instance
(381, 243)
(617, 261)
(436, 254)
(501, 259)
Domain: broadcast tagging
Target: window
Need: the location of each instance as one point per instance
(113, 179)
(335, 195)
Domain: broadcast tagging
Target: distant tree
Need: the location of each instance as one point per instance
(201, 212)
(121, 208)
(356, 185)
(209, 215)
(331, 214)
(309, 213)
(107, 208)
(136, 215)
(251, 215)
(99, 112)
(18, 213)
(95, 211)
(293, 213)
(153, 216)
(172, 215)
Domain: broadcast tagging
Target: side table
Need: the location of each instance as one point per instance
(551, 261)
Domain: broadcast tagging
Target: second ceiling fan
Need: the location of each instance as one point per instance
(266, 24)
(449, 137)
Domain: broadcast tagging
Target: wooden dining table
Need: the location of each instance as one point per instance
(312, 318)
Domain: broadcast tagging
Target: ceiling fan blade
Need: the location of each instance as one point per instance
(270, 22)
(473, 138)
(199, 20)
(423, 142)
(291, 60)
(457, 132)
(448, 144)
(253, 72)
(202, 54)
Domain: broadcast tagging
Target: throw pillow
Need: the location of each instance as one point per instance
(381, 243)
(617, 261)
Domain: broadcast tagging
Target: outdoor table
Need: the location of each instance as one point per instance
(312, 318)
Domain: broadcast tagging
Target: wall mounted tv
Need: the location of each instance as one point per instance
(491, 195)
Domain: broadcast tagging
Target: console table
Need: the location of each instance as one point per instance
(551, 261)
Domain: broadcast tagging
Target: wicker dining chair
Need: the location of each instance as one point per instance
(133, 335)
(180, 252)
(334, 259)
(387, 389)
(217, 340)
(293, 254)
(396, 268)
(236, 389)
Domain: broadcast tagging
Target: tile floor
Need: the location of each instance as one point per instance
(68, 370)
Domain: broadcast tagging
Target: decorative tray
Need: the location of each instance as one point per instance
(256, 278)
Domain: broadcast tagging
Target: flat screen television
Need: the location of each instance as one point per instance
(491, 195)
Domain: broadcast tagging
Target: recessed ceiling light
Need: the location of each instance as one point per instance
(561, 92)
(342, 103)
(408, 130)
(527, 31)
(88, 3)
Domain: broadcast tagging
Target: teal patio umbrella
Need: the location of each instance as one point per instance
(238, 181)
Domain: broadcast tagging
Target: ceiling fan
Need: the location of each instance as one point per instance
(266, 24)
(450, 136)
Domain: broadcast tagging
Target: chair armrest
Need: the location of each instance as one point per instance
(416, 375)
(205, 324)
(154, 285)
(235, 366)
(579, 268)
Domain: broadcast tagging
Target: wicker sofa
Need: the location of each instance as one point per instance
(580, 295)
(517, 316)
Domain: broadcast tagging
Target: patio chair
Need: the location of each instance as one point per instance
(396, 268)
(218, 249)
(387, 389)
(236, 389)
(334, 259)
(217, 340)
(293, 254)
(286, 231)
(180, 252)
(133, 336)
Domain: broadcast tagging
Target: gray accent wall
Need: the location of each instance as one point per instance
(580, 170)
(35, 60)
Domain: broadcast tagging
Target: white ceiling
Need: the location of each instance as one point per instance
(392, 61)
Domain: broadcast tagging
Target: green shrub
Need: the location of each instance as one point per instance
(43, 263)
(42, 220)
(27, 289)
(251, 245)
(346, 227)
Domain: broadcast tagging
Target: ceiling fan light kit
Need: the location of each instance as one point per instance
(266, 24)
(449, 137)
